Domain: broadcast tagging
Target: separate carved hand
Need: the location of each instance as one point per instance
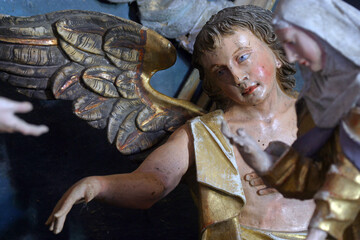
(9, 122)
(316, 234)
(256, 181)
(83, 191)
(249, 149)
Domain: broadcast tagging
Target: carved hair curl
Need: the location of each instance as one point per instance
(225, 23)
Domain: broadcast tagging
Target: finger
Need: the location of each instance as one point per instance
(20, 107)
(50, 218)
(239, 141)
(266, 191)
(23, 107)
(246, 138)
(250, 176)
(59, 224)
(48, 221)
(64, 210)
(37, 130)
(25, 128)
(67, 201)
(241, 132)
(256, 182)
(51, 228)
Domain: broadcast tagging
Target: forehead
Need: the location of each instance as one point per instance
(227, 44)
(239, 37)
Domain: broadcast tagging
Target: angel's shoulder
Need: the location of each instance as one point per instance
(182, 134)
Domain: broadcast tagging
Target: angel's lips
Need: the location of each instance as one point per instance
(249, 90)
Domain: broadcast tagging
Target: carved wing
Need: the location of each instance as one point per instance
(103, 64)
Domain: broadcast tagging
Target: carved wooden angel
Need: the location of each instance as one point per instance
(102, 63)
(262, 77)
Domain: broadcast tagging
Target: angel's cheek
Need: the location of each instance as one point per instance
(265, 73)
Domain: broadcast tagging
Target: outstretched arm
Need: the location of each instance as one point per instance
(159, 174)
(9, 122)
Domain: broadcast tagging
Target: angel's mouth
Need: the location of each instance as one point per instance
(249, 90)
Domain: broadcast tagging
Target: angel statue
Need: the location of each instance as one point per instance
(103, 63)
(323, 163)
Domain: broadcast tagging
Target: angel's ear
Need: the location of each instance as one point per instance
(278, 63)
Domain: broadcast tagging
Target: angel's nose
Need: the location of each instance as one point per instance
(238, 80)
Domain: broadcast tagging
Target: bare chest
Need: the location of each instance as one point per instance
(264, 132)
(272, 212)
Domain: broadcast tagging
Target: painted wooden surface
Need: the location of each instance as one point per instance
(35, 172)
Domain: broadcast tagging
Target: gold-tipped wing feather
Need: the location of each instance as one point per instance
(102, 63)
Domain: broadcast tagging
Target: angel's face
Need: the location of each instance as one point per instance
(243, 67)
(300, 46)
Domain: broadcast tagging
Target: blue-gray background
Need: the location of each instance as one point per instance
(35, 172)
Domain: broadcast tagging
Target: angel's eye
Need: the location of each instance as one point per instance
(220, 72)
(243, 57)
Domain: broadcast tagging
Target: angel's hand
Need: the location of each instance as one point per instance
(249, 149)
(256, 181)
(9, 122)
(83, 191)
(316, 234)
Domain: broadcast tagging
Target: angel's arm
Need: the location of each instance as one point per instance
(9, 122)
(158, 175)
